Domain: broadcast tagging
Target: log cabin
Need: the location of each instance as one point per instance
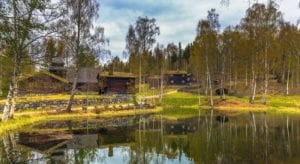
(42, 82)
(178, 78)
(87, 80)
(116, 82)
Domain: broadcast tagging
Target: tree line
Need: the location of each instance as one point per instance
(261, 48)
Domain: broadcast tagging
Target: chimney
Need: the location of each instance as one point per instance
(111, 69)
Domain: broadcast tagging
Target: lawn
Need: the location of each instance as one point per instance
(37, 98)
(180, 105)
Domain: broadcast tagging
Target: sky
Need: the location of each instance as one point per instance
(177, 19)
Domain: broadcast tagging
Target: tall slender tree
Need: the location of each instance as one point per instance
(81, 16)
(140, 39)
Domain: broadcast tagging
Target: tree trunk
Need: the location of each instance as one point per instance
(297, 72)
(266, 78)
(230, 80)
(253, 85)
(211, 92)
(199, 99)
(246, 80)
(14, 101)
(209, 83)
(288, 79)
(292, 78)
(206, 86)
(235, 79)
(140, 73)
(161, 84)
(7, 105)
(223, 76)
(73, 91)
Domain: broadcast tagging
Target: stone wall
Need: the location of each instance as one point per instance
(63, 103)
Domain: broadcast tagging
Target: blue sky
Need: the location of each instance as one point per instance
(177, 19)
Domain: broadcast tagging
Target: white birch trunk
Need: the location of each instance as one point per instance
(7, 105)
(73, 92)
(288, 79)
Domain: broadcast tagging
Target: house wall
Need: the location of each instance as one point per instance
(88, 87)
(118, 85)
(177, 79)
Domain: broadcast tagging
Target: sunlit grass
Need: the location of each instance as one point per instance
(182, 105)
(56, 97)
(147, 91)
(27, 118)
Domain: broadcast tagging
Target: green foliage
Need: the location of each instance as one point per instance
(87, 59)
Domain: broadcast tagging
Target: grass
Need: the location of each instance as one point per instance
(147, 91)
(182, 105)
(37, 98)
(28, 118)
(176, 105)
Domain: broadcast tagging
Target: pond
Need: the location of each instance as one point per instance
(257, 138)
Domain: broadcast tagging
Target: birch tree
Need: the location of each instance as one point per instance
(140, 39)
(81, 35)
(22, 25)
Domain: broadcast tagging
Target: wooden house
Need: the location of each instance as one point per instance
(57, 67)
(42, 82)
(178, 78)
(87, 80)
(116, 82)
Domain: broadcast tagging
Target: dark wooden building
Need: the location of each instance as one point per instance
(178, 78)
(57, 67)
(116, 82)
(42, 82)
(87, 80)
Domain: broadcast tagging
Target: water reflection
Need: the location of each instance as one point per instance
(253, 138)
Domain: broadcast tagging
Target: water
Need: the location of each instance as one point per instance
(144, 139)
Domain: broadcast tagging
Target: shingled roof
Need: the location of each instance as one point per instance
(85, 75)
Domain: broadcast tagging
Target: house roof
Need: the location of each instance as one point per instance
(85, 75)
(155, 77)
(176, 72)
(118, 74)
(45, 73)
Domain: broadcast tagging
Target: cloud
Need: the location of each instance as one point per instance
(177, 19)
